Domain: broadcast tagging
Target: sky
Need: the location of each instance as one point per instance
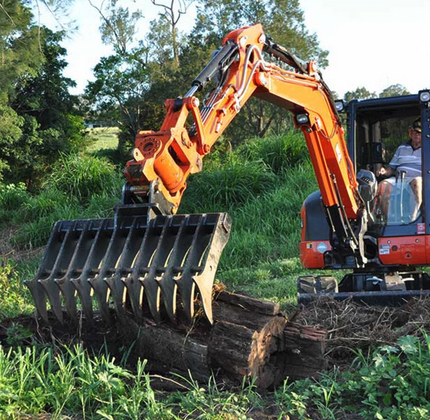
(371, 43)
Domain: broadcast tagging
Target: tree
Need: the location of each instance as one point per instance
(50, 125)
(121, 91)
(132, 84)
(359, 93)
(394, 90)
(20, 54)
(283, 20)
(171, 15)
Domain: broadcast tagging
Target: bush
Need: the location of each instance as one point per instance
(227, 185)
(277, 152)
(12, 196)
(84, 176)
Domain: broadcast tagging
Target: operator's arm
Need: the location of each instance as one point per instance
(393, 165)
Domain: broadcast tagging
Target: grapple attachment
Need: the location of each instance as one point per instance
(130, 262)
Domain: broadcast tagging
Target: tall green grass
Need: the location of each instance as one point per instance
(79, 186)
(72, 382)
(82, 176)
(391, 383)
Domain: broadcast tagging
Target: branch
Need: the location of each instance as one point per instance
(123, 47)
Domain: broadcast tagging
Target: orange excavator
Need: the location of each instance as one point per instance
(149, 259)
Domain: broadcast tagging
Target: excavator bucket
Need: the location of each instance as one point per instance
(129, 262)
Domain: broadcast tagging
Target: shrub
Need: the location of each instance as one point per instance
(277, 152)
(226, 185)
(12, 196)
(84, 176)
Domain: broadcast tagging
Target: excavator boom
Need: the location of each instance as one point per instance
(148, 253)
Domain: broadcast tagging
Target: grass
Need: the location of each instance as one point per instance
(102, 138)
(391, 384)
(263, 189)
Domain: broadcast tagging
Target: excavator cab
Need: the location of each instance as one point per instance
(380, 127)
(397, 234)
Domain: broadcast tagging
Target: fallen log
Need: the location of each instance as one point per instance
(250, 338)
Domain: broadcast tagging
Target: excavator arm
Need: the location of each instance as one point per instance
(166, 158)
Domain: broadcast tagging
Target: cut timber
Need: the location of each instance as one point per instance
(304, 351)
(250, 338)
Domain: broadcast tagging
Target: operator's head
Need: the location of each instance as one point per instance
(415, 133)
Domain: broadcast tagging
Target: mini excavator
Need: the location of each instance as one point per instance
(148, 259)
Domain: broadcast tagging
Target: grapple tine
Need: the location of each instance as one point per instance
(69, 293)
(205, 278)
(78, 259)
(167, 282)
(185, 282)
(116, 282)
(47, 266)
(108, 267)
(39, 298)
(150, 281)
(199, 270)
(58, 270)
(134, 295)
(140, 264)
(90, 258)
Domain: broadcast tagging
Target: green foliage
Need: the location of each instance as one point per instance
(390, 384)
(394, 90)
(267, 228)
(14, 299)
(278, 152)
(234, 183)
(94, 386)
(12, 197)
(82, 177)
(10, 133)
(19, 44)
(359, 93)
(78, 187)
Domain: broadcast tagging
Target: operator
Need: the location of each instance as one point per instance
(406, 163)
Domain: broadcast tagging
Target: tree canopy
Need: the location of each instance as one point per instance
(37, 114)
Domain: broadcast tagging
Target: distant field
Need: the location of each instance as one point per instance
(102, 138)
